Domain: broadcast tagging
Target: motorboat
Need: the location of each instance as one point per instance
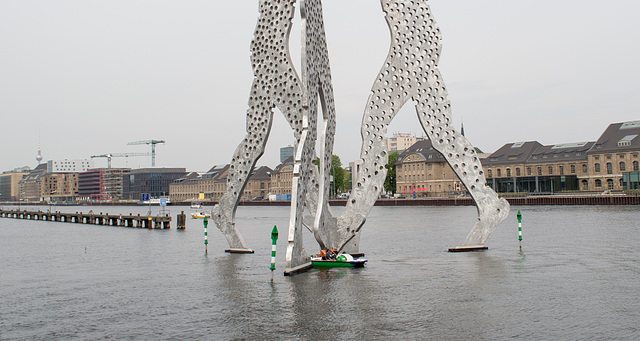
(200, 215)
(325, 260)
(198, 210)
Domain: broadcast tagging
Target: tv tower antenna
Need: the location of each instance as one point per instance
(39, 156)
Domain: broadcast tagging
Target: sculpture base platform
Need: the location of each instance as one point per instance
(239, 251)
(298, 269)
(473, 248)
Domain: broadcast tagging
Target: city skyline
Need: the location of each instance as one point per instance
(92, 77)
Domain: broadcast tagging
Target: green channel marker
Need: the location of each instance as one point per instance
(205, 221)
(274, 239)
(520, 229)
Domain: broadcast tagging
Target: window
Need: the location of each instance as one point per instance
(610, 183)
(597, 167)
(490, 173)
(598, 183)
(609, 168)
(597, 157)
(508, 171)
(561, 170)
(573, 169)
(584, 168)
(517, 171)
(539, 170)
(623, 166)
(550, 170)
(528, 170)
(635, 165)
(499, 172)
(585, 185)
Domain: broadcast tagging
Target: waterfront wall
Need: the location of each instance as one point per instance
(464, 201)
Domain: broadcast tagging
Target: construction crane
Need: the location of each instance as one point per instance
(153, 148)
(110, 155)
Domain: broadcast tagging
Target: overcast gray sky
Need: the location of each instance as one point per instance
(91, 76)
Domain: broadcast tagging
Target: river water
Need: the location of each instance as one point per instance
(577, 277)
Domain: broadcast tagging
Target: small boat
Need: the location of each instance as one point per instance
(200, 215)
(341, 261)
(198, 210)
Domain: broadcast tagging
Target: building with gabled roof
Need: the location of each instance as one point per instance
(533, 167)
(30, 184)
(259, 184)
(421, 171)
(613, 160)
(282, 178)
(200, 186)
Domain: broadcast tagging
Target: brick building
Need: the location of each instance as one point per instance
(423, 171)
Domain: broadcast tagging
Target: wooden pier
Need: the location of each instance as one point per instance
(155, 222)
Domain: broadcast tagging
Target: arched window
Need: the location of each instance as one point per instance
(561, 170)
(539, 170)
(584, 168)
(585, 185)
(528, 170)
(517, 171)
(610, 183)
(508, 171)
(598, 183)
(499, 172)
(609, 168)
(597, 167)
(623, 166)
(550, 170)
(490, 173)
(573, 169)
(635, 165)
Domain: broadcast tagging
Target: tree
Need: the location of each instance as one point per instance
(390, 180)
(338, 174)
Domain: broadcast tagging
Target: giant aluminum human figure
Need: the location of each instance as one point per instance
(410, 72)
(277, 84)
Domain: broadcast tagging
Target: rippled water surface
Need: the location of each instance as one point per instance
(577, 277)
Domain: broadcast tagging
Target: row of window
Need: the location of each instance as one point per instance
(598, 184)
(621, 156)
(413, 167)
(623, 167)
(550, 169)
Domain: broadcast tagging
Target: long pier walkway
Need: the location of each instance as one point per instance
(156, 222)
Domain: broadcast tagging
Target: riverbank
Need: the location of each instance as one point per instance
(608, 199)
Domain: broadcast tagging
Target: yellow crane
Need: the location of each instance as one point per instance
(110, 155)
(153, 148)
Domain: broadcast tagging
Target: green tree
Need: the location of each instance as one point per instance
(338, 173)
(390, 180)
